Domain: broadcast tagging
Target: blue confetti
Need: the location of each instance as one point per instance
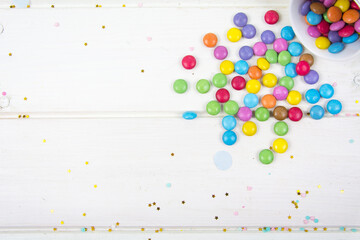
(316, 220)
(353, 230)
(351, 141)
(302, 229)
(83, 229)
(168, 185)
(189, 115)
(307, 217)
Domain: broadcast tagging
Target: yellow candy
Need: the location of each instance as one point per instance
(234, 34)
(226, 67)
(253, 86)
(249, 128)
(280, 145)
(263, 64)
(343, 5)
(322, 43)
(294, 97)
(269, 80)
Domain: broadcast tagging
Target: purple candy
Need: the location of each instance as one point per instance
(268, 37)
(248, 31)
(246, 52)
(260, 49)
(357, 26)
(280, 93)
(334, 37)
(336, 26)
(244, 114)
(240, 19)
(329, 3)
(313, 31)
(280, 45)
(305, 8)
(312, 77)
(220, 52)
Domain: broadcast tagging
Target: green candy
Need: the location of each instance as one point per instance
(231, 107)
(219, 80)
(180, 86)
(213, 107)
(284, 58)
(281, 128)
(326, 17)
(271, 56)
(287, 82)
(203, 86)
(262, 114)
(266, 156)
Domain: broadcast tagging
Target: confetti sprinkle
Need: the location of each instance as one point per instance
(95, 186)
(3, 93)
(316, 220)
(315, 228)
(191, 48)
(85, 44)
(149, 39)
(223, 160)
(249, 188)
(319, 186)
(226, 194)
(84, 214)
(158, 208)
(154, 203)
(54, 229)
(117, 224)
(142, 70)
(213, 196)
(69, 171)
(289, 217)
(103, 26)
(149, 205)
(87, 163)
(142, 229)
(168, 185)
(291, 156)
(109, 230)
(10, 54)
(342, 191)
(183, 202)
(236, 213)
(123, 5)
(356, 101)
(83, 229)
(25, 98)
(351, 141)
(325, 228)
(62, 222)
(44, 140)
(56, 24)
(216, 217)
(334, 84)
(52, 210)
(92, 228)
(224, 230)
(353, 230)
(172, 154)
(52, 6)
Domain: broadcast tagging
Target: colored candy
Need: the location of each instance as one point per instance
(220, 52)
(280, 93)
(188, 62)
(229, 138)
(322, 42)
(326, 91)
(229, 122)
(249, 128)
(295, 49)
(210, 40)
(312, 77)
(284, 58)
(305, 8)
(295, 114)
(323, 27)
(180, 86)
(334, 37)
(251, 100)
(280, 145)
(262, 114)
(312, 96)
(357, 26)
(226, 67)
(307, 58)
(313, 18)
(246, 52)
(271, 17)
(253, 86)
(329, 3)
(222, 95)
(238, 82)
(336, 47)
(266, 156)
(287, 33)
(231, 107)
(334, 107)
(290, 70)
(203, 86)
(241, 67)
(268, 101)
(343, 5)
(213, 107)
(334, 14)
(346, 31)
(313, 31)
(189, 115)
(317, 112)
(294, 97)
(263, 64)
(234, 34)
(259, 49)
(280, 45)
(244, 114)
(255, 72)
(317, 7)
(249, 31)
(336, 26)
(269, 80)
(268, 37)
(302, 68)
(219, 80)
(350, 16)
(271, 56)
(281, 128)
(280, 113)
(352, 38)
(240, 19)
(287, 82)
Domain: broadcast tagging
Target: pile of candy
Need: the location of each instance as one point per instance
(333, 23)
(281, 53)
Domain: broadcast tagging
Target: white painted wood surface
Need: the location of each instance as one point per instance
(92, 103)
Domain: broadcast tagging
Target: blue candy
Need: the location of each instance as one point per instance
(290, 70)
(189, 115)
(336, 47)
(317, 112)
(241, 67)
(326, 91)
(229, 137)
(313, 18)
(229, 122)
(334, 106)
(251, 100)
(312, 96)
(287, 33)
(352, 38)
(295, 49)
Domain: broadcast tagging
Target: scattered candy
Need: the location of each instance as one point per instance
(271, 17)
(295, 49)
(266, 156)
(229, 123)
(290, 70)
(244, 114)
(189, 115)
(251, 100)
(254, 72)
(189, 62)
(238, 82)
(213, 108)
(281, 128)
(312, 77)
(231, 107)
(268, 37)
(240, 19)
(180, 86)
(241, 67)
(210, 40)
(259, 49)
(269, 80)
(262, 114)
(287, 82)
(312, 96)
(280, 93)
(246, 52)
(263, 64)
(280, 145)
(249, 31)
(322, 42)
(287, 33)
(280, 45)
(302, 68)
(295, 114)
(294, 97)
(253, 86)
(219, 80)
(234, 34)
(220, 52)
(203, 86)
(334, 106)
(227, 67)
(271, 56)
(317, 112)
(229, 138)
(269, 101)
(280, 113)
(284, 58)
(336, 47)
(249, 128)
(222, 95)
(307, 58)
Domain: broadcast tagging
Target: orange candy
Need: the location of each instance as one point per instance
(210, 40)
(307, 21)
(268, 101)
(255, 72)
(351, 16)
(334, 14)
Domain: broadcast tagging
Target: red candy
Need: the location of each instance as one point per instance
(354, 5)
(346, 31)
(222, 95)
(238, 83)
(302, 68)
(323, 27)
(271, 17)
(189, 62)
(295, 114)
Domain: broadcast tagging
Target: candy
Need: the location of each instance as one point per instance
(246, 52)
(253, 86)
(287, 82)
(322, 42)
(313, 18)
(281, 128)
(219, 80)
(269, 80)
(312, 77)
(262, 114)
(210, 40)
(244, 114)
(326, 17)
(220, 52)
(249, 128)
(305, 8)
(280, 113)
(255, 72)
(222, 95)
(238, 82)
(271, 56)
(317, 112)
(189, 115)
(343, 5)
(249, 31)
(336, 47)
(266, 156)
(203, 86)
(229, 138)
(334, 14)
(334, 106)
(267, 37)
(268, 101)
(354, 5)
(313, 31)
(263, 64)
(271, 17)
(180, 86)
(234, 34)
(280, 44)
(329, 3)
(241, 67)
(231, 107)
(302, 68)
(308, 58)
(284, 58)
(213, 107)
(259, 49)
(287, 33)
(326, 91)
(336, 26)
(334, 37)
(317, 7)
(280, 93)
(323, 27)
(352, 38)
(226, 67)
(294, 97)
(351, 16)
(251, 100)
(357, 26)
(229, 122)
(290, 70)
(188, 62)
(295, 49)
(240, 19)
(312, 96)
(280, 145)
(346, 31)
(295, 114)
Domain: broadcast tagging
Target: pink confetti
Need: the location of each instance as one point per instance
(243, 206)
(191, 48)
(149, 39)
(244, 228)
(306, 221)
(56, 24)
(334, 84)
(354, 114)
(303, 195)
(236, 213)
(348, 114)
(140, 4)
(4, 93)
(272, 229)
(286, 228)
(312, 218)
(249, 188)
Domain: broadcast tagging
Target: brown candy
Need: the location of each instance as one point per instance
(317, 7)
(307, 58)
(334, 14)
(351, 16)
(280, 113)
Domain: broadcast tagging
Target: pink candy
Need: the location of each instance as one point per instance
(346, 31)
(313, 31)
(329, 3)
(357, 26)
(323, 27)
(337, 26)
(280, 93)
(260, 49)
(280, 45)
(244, 114)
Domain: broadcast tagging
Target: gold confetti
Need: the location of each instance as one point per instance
(357, 101)
(342, 191)
(85, 44)
(24, 116)
(92, 228)
(216, 217)
(84, 214)
(156, 231)
(149, 205)
(142, 70)
(183, 202)
(142, 229)
(103, 27)
(224, 230)
(44, 141)
(87, 163)
(25, 98)
(291, 156)
(54, 229)
(117, 224)
(52, 6)
(95, 186)
(28, 6)
(69, 170)
(172, 154)
(213, 196)
(325, 228)
(160, 229)
(100, 6)
(158, 208)
(109, 230)
(154, 203)
(27, 116)
(260, 229)
(306, 230)
(289, 230)
(97, 5)
(358, 114)
(124, 5)
(52, 210)
(62, 222)
(315, 228)
(289, 217)
(319, 186)
(226, 194)
(307, 192)
(10, 54)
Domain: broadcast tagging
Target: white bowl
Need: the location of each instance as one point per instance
(300, 29)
